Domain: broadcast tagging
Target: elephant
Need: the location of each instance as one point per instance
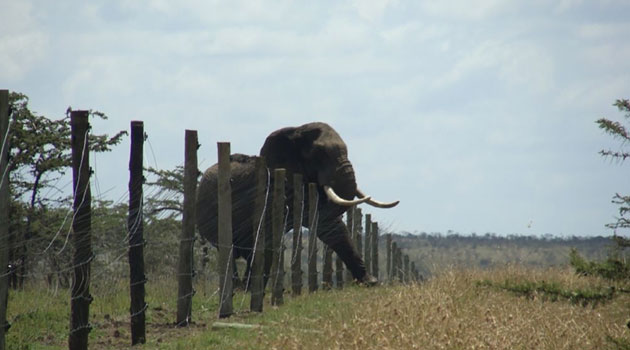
(314, 150)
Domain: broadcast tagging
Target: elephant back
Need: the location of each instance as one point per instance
(243, 184)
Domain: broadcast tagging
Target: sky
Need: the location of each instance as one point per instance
(479, 116)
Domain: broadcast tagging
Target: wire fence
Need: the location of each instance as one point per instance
(39, 248)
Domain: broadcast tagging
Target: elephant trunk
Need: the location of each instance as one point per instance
(341, 187)
(340, 184)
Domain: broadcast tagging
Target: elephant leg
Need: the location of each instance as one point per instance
(236, 281)
(334, 233)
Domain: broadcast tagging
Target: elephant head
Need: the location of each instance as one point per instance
(317, 152)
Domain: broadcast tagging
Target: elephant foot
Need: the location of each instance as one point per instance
(237, 284)
(368, 281)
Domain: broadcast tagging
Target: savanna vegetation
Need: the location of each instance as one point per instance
(502, 308)
(481, 291)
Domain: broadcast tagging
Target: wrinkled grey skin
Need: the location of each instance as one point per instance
(243, 184)
(317, 152)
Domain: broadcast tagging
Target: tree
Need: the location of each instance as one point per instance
(618, 131)
(167, 192)
(40, 155)
(615, 267)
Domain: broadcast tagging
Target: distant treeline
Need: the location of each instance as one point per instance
(437, 251)
(450, 236)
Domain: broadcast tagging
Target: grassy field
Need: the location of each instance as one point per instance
(502, 308)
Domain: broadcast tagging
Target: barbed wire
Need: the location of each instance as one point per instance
(109, 263)
(261, 221)
(5, 142)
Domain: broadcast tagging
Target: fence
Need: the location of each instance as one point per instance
(368, 239)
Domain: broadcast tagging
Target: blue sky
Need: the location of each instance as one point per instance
(478, 115)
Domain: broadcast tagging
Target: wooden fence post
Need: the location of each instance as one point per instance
(374, 235)
(257, 280)
(338, 272)
(418, 276)
(399, 262)
(277, 266)
(135, 227)
(367, 244)
(185, 266)
(296, 259)
(81, 232)
(226, 249)
(394, 266)
(4, 214)
(406, 269)
(327, 269)
(413, 272)
(358, 220)
(388, 248)
(350, 224)
(312, 237)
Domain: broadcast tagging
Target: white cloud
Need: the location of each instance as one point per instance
(372, 10)
(517, 64)
(413, 33)
(207, 13)
(593, 93)
(466, 10)
(22, 43)
(566, 5)
(603, 30)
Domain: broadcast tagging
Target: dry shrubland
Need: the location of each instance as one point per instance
(452, 311)
(457, 309)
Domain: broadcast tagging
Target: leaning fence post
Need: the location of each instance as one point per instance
(226, 249)
(277, 268)
(257, 280)
(4, 213)
(296, 259)
(81, 227)
(135, 228)
(185, 266)
(312, 237)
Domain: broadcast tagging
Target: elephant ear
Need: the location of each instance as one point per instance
(305, 143)
(279, 149)
(293, 149)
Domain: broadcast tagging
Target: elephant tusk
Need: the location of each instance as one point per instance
(340, 201)
(376, 203)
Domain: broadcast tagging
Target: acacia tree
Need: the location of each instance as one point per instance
(615, 266)
(40, 155)
(167, 192)
(619, 131)
(163, 209)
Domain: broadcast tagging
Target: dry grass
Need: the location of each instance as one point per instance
(452, 312)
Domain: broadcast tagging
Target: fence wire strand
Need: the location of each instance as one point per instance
(49, 266)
